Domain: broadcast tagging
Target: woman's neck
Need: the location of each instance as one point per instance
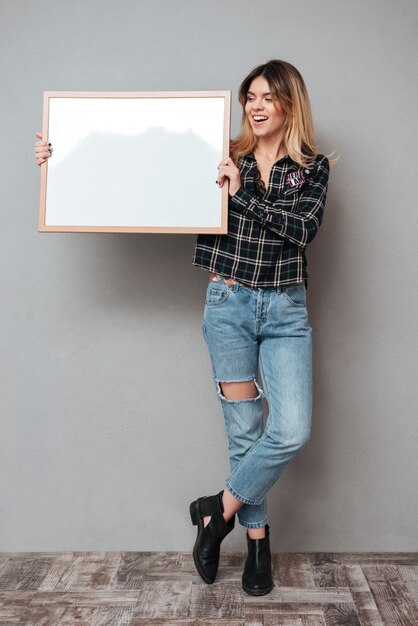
(269, 151)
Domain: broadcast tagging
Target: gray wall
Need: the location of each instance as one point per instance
(110, 423)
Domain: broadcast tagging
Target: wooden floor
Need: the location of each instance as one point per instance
(164, 589)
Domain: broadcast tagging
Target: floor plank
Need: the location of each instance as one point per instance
(164, 589)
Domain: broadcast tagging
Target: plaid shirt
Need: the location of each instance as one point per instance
(268, 229)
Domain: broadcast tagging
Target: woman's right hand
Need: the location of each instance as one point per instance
(43, 150)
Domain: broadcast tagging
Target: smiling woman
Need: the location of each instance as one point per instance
(255, 312)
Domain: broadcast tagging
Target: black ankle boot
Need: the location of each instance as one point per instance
(257, 578)
(208, 543)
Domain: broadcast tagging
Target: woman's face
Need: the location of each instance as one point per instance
(260, 102)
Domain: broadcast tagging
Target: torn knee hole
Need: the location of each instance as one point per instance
(239, 390)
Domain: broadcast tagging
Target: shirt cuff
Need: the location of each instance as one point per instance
(250, 206)
(241, 198)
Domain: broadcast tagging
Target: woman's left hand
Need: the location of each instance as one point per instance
(227, 168)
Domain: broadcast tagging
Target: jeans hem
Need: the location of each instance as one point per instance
(239, 497)
(253, 524)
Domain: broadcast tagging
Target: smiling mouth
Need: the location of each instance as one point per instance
(259, 119)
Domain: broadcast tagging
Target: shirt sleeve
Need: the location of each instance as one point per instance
(300, 226)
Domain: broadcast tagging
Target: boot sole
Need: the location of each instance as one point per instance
(257, 592)
(197, 521)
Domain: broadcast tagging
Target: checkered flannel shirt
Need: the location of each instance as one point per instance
(268, 229)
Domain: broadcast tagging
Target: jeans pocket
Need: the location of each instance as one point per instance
(296, 294)
(217, 293)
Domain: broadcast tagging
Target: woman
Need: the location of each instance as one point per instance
(255, 310)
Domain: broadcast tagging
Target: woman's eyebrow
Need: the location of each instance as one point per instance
(264, 94)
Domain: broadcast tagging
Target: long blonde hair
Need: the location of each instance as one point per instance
(286, 84)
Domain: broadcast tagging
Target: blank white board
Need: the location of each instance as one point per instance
(135, 162)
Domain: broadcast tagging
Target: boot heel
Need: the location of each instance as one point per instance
(194, 512)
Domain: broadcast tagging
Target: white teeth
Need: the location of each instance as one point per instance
(259, 118)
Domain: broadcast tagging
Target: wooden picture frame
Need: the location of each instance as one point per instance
(140, 161)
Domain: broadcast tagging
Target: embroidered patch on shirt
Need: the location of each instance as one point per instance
(293, 179)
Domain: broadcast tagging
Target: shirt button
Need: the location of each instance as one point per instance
(307, 171)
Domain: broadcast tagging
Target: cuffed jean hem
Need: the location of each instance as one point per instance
(238, 496)
(253, 524)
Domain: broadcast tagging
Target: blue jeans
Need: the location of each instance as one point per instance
(244, 326)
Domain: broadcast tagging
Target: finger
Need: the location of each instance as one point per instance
(227, 171)
(41, 150)
(40, 137)
(40, 155)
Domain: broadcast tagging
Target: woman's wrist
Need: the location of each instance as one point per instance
(232, 193)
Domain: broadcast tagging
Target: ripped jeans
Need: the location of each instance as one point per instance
(244, 326)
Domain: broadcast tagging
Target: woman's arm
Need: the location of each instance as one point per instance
(299, 227)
